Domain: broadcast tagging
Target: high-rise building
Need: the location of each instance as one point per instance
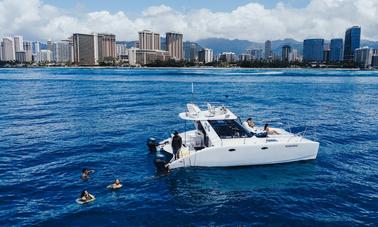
(228, 57)
(245, 57)
(193, 52)
(286, 51)
(268, 50)
(28, 51)
(62, 52)
(50, 45)
(313, 50)
(106, 47)
(255, 54)
(131, 52)
(352, 42)
(149, 40)
(8, 52)
(90, 49)
(18, 43)
(85, 49)
(175, 45)
(363, 57)
(374, 59)
(20, 56)
(121, 50)
(44, 56)
(205, 55)
(336, 52)
(294, 56)
(36, 47)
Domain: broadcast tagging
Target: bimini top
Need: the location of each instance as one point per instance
(212, 113)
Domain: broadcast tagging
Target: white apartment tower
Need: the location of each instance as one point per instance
(18, 43)
(8, 52)
(205, 55)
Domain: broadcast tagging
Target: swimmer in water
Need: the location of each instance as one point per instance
(85, 173)
(85, 196)
(116, 185)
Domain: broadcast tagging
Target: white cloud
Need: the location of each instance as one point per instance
(321, 18)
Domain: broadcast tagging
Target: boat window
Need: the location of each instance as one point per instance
(227, 129)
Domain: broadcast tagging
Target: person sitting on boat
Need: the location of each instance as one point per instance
(270, 131)
(85, 196)
(85, 173)
(176, 144)
(249, 125)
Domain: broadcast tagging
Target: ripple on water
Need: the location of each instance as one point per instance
(54, 122)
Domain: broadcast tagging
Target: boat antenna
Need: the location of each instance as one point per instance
(192, 92)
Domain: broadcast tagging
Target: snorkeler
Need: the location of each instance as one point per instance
(86, 197)
(116, 185)
(85, 173)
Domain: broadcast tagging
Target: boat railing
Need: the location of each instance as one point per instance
(306, 133)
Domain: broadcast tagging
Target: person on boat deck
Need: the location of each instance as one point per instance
(176, 144)
(85, 173)
(85, 196)
(270, 131)
(249, 124)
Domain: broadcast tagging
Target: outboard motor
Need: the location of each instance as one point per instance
(152, 144)
(162, 158)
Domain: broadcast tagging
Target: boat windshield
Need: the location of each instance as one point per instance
(227, 129)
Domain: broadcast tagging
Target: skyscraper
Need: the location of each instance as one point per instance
(50, 45)
(175, 45)
(149, 40)
(205, 55)
(121, 50)
(313, 50)
(18, 43)
(352, 42)
(62, 52)
(28, 51)
(94, 48)
(363, 57)
(106, 47)
(8, 52)
(85, 49)
(36, 47)
(268, 50)
(44, 56)
(193, 52)
(286, 51)
(336, 53)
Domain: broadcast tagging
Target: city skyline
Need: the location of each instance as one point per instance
(247, 20)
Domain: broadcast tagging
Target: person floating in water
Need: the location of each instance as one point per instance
(85, 173)
(86, 197)
(176, 144)
(116, 185)
(270, 131)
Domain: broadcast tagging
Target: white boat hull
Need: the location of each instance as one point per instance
(245, 155)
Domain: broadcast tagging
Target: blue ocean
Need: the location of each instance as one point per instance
(56, 121)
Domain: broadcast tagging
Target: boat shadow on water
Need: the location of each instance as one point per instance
(243, 178)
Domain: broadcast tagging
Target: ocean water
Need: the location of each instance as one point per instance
(54, 122)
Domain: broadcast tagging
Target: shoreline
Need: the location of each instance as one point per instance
(186, 68)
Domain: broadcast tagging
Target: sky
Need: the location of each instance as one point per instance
(254, 20)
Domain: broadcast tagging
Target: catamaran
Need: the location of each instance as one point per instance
(220, 140)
